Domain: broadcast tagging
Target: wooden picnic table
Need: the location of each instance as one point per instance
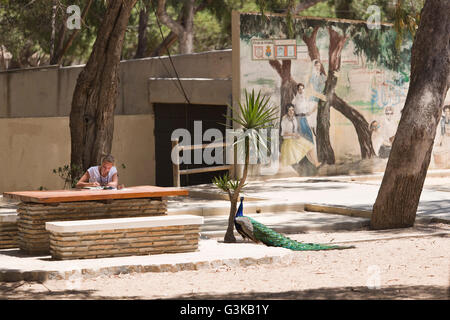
(57, 196)
(35, 208)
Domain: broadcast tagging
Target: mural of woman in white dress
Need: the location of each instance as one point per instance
(303, 111)
(314, 90)
(294, 146)
(377, 136)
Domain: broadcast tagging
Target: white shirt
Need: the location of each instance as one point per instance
(288, 126)
(377, 141)
(302, 105)
(389, 128)
(95, 176)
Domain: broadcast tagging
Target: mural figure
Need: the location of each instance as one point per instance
(377, 136)
(317, 82)
(336, 92)
(294, 146)
(304, 112)
(442, 149)
(388, 129)
(378, 99)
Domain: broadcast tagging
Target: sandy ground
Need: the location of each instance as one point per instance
(411, 263)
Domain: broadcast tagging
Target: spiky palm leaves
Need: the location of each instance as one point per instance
(254, 115)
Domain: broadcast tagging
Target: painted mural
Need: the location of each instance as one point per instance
(340, 87)
(441, 151)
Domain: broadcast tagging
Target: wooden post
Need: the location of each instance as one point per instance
(175, 164)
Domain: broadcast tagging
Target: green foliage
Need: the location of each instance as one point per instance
(406, 21)
(70, 174)
(25, 26)
(226, 183)
(322, 9)
(255, 113)
(380, 47)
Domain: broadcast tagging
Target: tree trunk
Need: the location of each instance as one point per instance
(2, 60)
(325, 152)
(60, 43)
(288, 85)
(186, 41)
(142, 32)
(164, 46)
(360, 124)
(399, 194)
(53, 33)
(229, 235)
(357, 119)
(95, 94)
(64, 47)
(313, 51)
(186, 38)
(184, 29)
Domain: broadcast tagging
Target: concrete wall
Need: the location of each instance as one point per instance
(33, 147)
(48, 91)
(35, 105)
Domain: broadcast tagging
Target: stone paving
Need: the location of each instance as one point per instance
(278, 203)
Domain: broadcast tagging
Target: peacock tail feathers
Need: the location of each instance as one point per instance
(272, 238)
(258, 232)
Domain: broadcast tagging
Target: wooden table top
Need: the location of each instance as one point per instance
(55, 196)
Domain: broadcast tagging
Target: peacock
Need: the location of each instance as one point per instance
(257, 232)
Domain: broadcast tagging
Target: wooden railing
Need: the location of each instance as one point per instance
(176, 167)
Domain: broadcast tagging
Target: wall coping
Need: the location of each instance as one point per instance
(8, 217)
(122, 223)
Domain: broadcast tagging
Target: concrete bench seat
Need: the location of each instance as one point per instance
(9, 233)
(101, 238)
(34, 239)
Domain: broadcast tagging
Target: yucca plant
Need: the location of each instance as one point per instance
(254, 115)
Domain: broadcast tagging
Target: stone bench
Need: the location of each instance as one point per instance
(9, 233)
(34, 239)
(86, 239)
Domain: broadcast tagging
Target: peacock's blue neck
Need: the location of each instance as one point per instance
(239, 212)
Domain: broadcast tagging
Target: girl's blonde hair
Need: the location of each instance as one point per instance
(108, 158)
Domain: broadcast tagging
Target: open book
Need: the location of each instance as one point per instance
(100, 188)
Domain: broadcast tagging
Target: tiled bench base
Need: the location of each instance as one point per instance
(123, 237)
(34, 239)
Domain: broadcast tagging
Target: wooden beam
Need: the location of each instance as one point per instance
(207, 169)
(56, 196)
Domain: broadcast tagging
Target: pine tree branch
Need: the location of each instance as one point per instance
(176, 27)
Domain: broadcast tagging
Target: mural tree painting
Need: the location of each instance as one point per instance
(376, 45)
(308, 33)
(288, 84)
(325, 152)
(399, 194)
(367, 42)
(337, 42)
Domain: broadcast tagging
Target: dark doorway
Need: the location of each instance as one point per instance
(169, 117)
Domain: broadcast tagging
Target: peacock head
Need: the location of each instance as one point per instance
(239, 212)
